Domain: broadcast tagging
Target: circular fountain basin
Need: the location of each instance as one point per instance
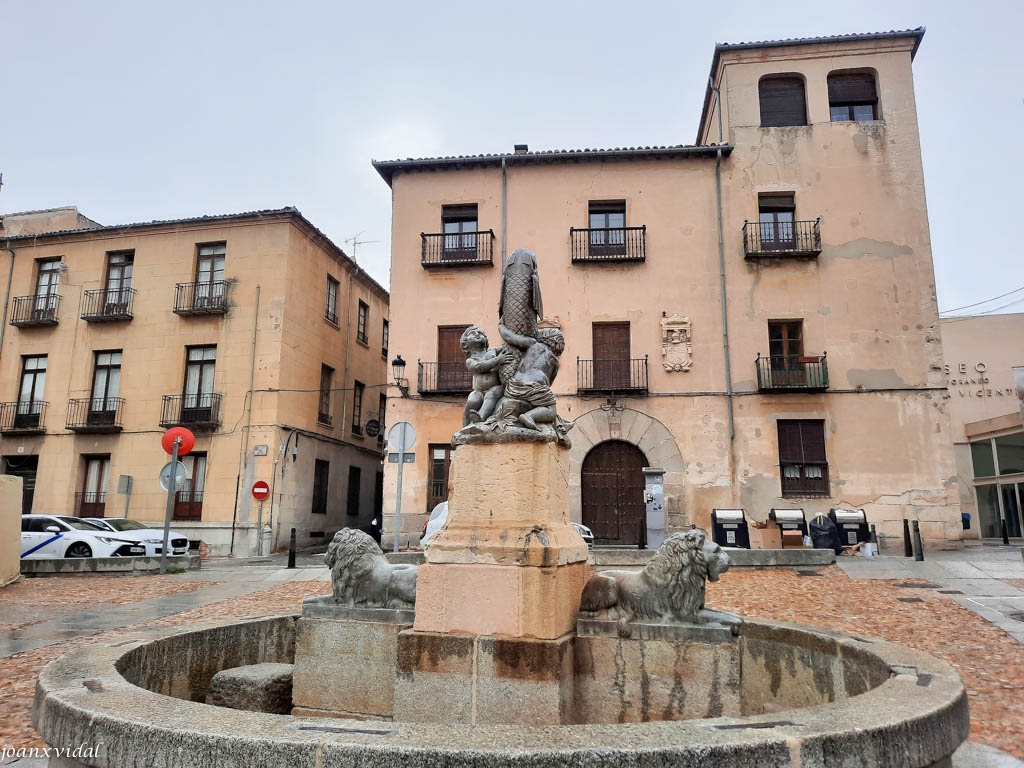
(824, 699)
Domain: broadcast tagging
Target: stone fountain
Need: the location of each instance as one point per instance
(503, 648)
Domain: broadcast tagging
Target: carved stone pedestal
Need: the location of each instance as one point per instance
(345, 660)
(507, 562)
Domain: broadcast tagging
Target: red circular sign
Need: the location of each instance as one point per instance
(188, 440)
(260, 490)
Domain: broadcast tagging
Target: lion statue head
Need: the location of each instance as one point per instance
(670, 588)
(361, 575)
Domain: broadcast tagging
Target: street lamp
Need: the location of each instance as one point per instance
(398, 368)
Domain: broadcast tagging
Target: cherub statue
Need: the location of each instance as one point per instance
(528, 396)
(483, 363)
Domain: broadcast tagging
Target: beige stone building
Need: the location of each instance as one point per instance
(253, 330)
(982, 353)
(755, 314)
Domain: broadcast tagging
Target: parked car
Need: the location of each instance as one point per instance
(439, 515)
(133, 530)
(47, 536)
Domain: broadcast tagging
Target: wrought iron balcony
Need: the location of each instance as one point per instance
(95, 414)
(22, 418)
(108, 305)
(464, 249)
(92, 504)
(799, 480)
(770, 239)
(35, 310)
(606, 376)
(192, 411)
(609, 244)
(444, 379)
(788, 373)
(209, 298)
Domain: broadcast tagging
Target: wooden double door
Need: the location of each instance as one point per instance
(613, 493)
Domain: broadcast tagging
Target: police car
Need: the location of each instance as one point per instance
(48, 536)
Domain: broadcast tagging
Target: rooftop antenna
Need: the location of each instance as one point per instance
(357, 242)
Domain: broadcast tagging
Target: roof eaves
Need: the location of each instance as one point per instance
(387, 168)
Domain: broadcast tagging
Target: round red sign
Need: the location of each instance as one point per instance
(188, 440)
(260, 490)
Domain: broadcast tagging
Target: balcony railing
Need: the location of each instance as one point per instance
(444, 379)
(92, 504)
(209, 298)
(792, 373)
(108, 305)
(464, 249)
(609, 244)
(35, 310)
(188, 505)
(779, 238)
(626, 376)
(95, 414)
(22, 418)
(804, 480)
(192, 411)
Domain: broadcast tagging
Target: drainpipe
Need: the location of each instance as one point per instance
(721, 264)
(504, 212)
(7, 296)
(248, 419)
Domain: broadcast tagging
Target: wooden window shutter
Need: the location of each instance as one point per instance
(790, 445)
(852, 87)
(782, 101)
(611, 341)
(812, 435)
(449, 348)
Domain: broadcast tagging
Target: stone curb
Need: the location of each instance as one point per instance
(916, 719)
(107, 566)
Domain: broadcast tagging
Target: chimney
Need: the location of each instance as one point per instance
(521, 149)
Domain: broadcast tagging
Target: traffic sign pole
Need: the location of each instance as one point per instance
(171, 490)
(259, 531)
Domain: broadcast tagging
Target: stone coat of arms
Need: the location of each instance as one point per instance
(676, 343)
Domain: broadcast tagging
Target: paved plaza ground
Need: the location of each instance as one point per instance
(959, 606)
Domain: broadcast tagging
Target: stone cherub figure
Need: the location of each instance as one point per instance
(526, 366)
(483, 363)
(528, 396)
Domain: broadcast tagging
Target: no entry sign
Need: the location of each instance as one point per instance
(260, 490)
(188, 440)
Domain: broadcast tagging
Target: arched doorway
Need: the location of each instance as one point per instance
(612, 482)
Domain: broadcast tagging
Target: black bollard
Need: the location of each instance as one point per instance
(918, 546)
(291, 550)
(1006, 535)
(908, 548)
(874, 539)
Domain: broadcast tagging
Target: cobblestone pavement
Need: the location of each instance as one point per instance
(903, 607)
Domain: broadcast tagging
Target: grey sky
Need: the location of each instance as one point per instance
(135, 111)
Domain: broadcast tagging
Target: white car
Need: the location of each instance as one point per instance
(48, 536)
(439, 515)
(151, 538)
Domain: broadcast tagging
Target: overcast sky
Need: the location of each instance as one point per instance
(136, 111)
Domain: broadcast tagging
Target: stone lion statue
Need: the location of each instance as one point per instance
(669, 589)
(362, 576)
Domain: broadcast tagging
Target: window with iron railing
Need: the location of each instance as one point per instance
(802, 462)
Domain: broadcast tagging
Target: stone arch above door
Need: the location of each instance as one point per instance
(646, 433)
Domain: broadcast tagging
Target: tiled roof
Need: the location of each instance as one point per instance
(387, 168)
(286, 211)
(917, 34)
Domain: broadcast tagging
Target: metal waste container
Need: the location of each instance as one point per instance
(729, 528)
(791, 521)
(852, 525)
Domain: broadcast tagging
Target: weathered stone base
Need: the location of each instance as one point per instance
(661, 672)
(346, 667)
(468, 679)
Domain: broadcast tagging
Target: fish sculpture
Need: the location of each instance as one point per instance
(519, 306)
